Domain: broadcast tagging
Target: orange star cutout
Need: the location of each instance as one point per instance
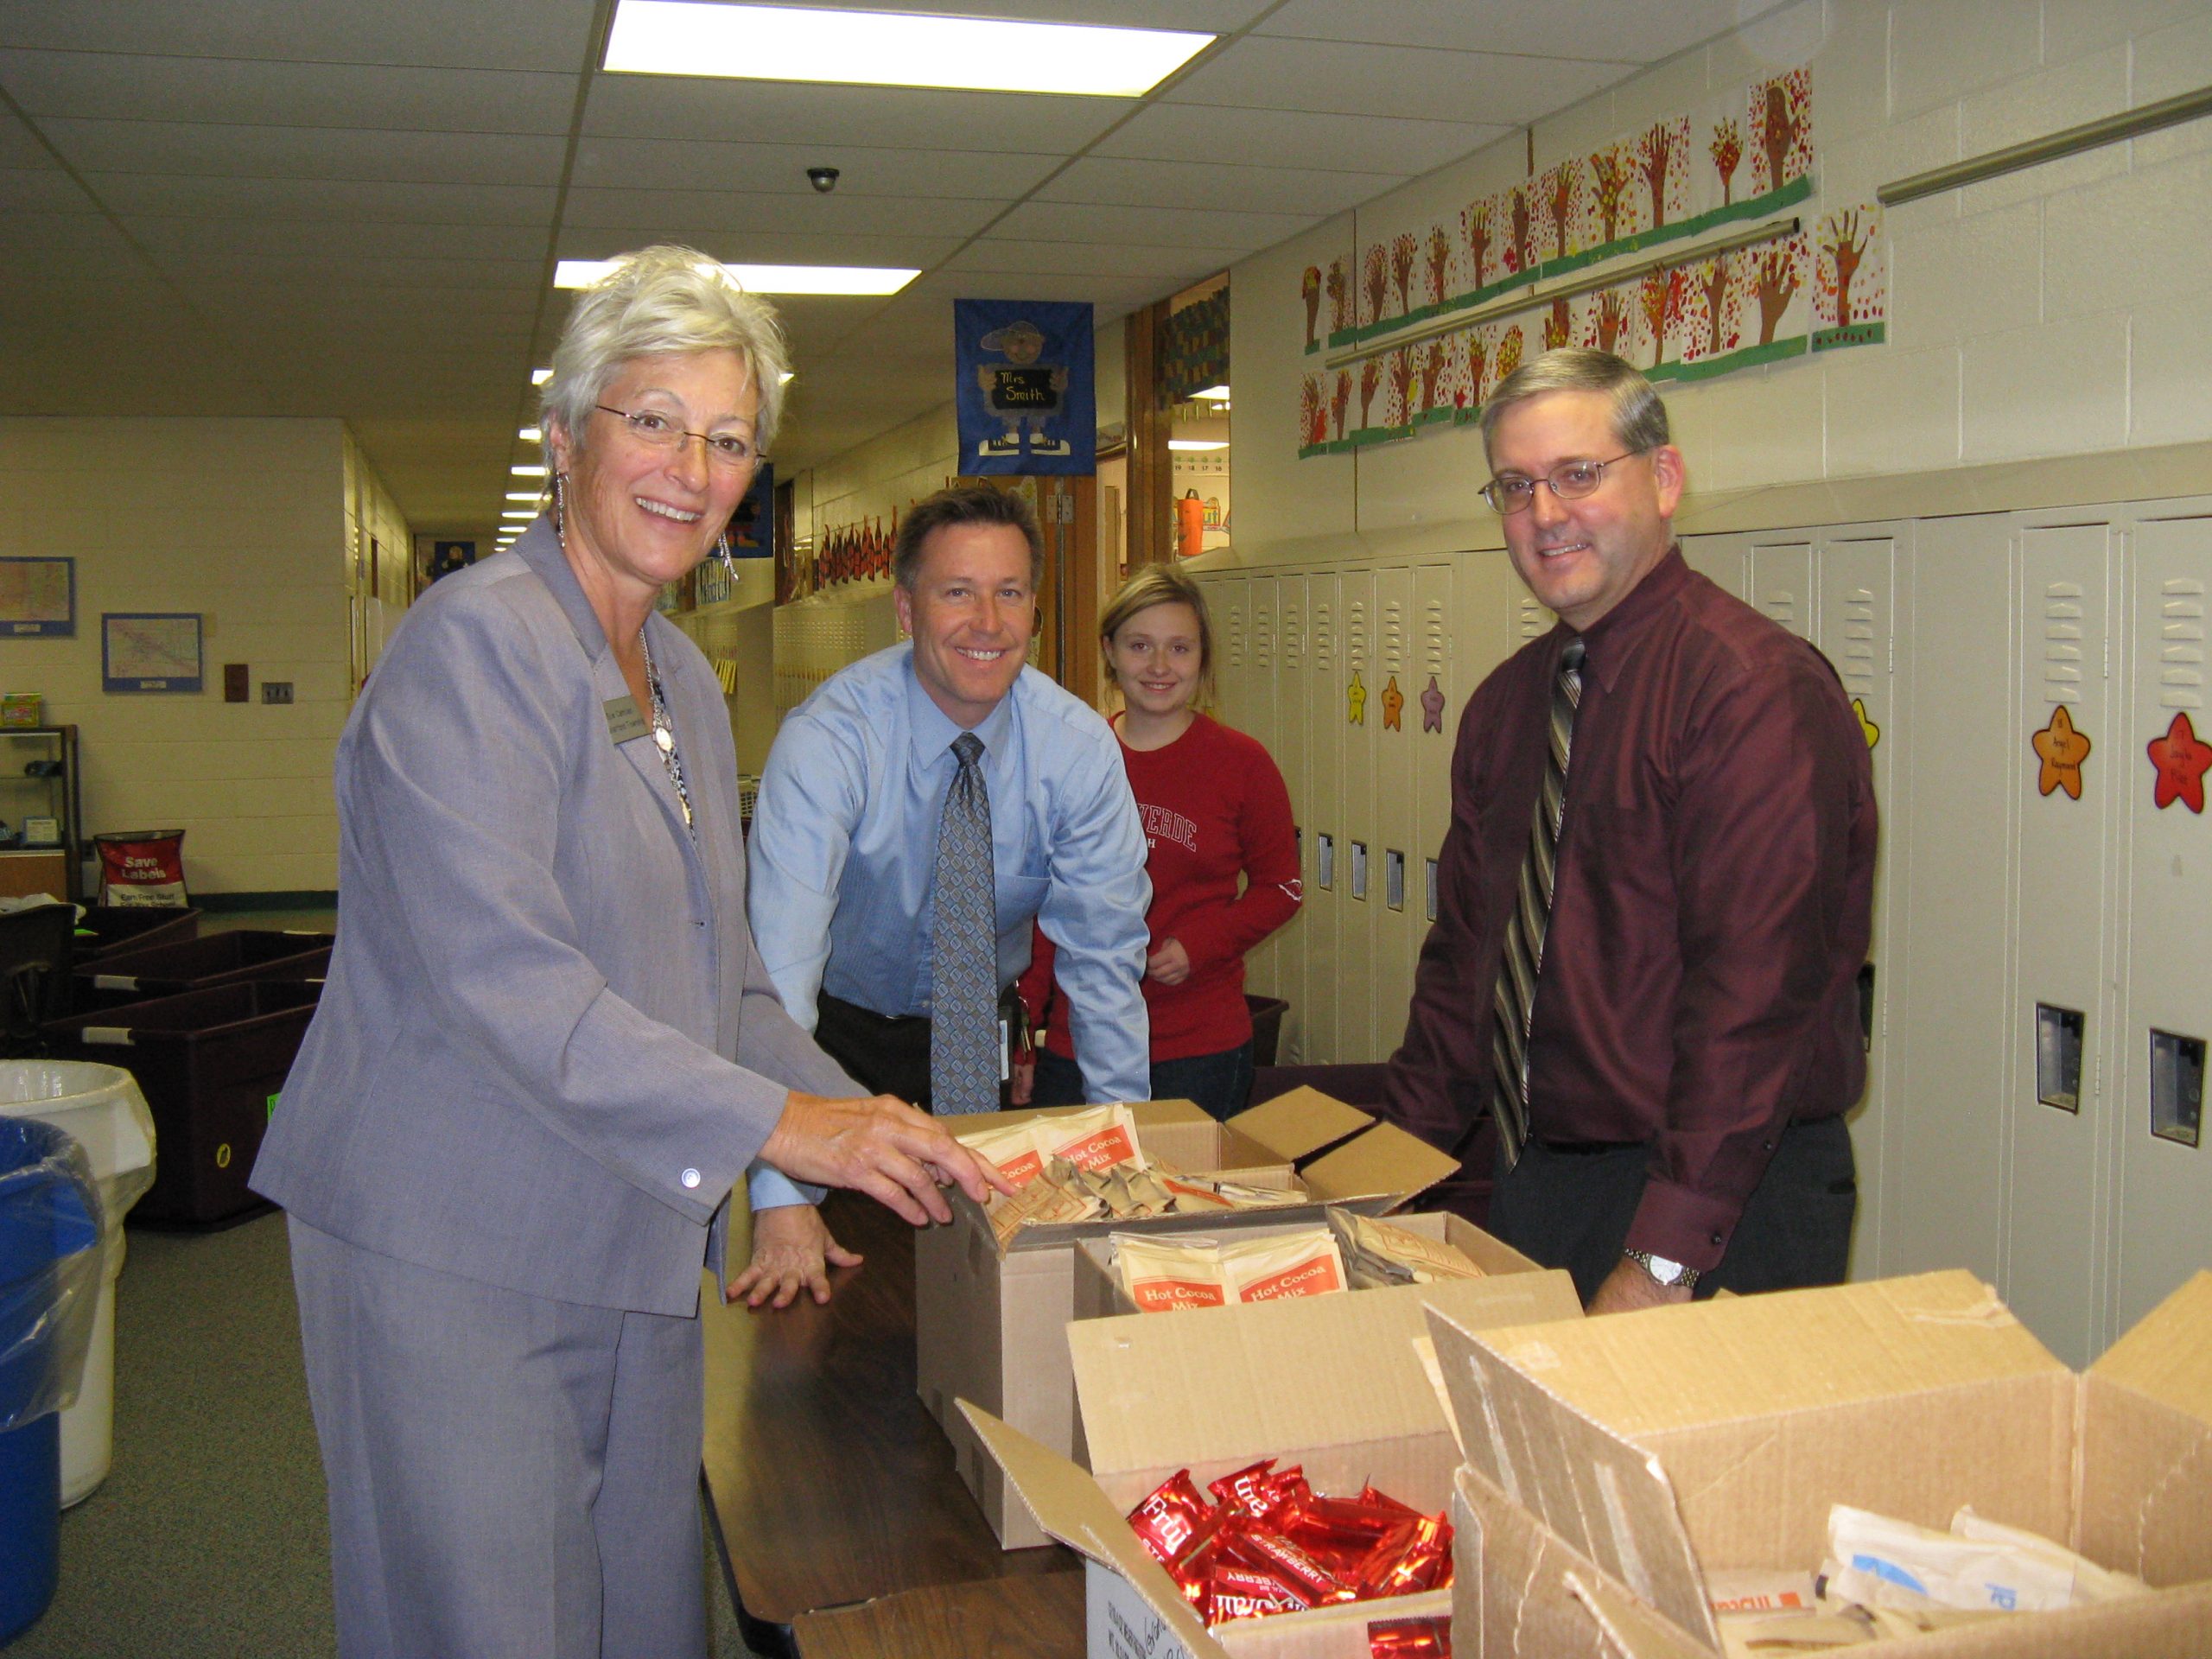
(2062, 750)
(2182, 761)
(1394, 706)
(1867, 728)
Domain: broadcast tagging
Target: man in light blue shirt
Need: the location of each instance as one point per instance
(843, 861)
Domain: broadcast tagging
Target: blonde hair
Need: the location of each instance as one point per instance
(659, 301)
(1152, 585)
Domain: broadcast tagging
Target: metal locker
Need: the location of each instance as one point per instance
(1435, 696)
(1725, 559)
(1359, 859)
(1940, 1181)
(1325, 879)
(1393, 896)
(1255, 715)
(1782, 584)
(1855, 629)
(1288, 695)
(2056, 1109)
(2163, 1197)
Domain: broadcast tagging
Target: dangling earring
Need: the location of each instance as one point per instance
(560, 515)
(729, 561)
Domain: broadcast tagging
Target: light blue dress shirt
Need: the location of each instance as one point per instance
(843, 858)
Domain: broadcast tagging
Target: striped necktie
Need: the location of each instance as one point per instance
(963, 946)
(1516, 1001)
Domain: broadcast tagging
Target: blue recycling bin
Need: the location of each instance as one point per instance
(49, 1275)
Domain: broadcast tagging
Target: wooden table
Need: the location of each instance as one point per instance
(1001, 1618)
(827, 1484)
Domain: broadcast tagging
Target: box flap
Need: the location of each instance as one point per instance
(1385, 1162)
(1301, 1121)
(2162, 1358)
(1068, 1504)
(1215, 1390)
(1631, 1630)
(1605, 1498)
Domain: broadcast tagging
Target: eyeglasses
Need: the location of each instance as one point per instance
(656, 431)
(1514, 493)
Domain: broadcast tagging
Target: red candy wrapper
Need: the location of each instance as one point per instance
(1273, 1553)
(1239, 1592)
(1416, 1556)
(1411, 1638)
(1257, 1492)
(1168, 1518)
(1340, 1524)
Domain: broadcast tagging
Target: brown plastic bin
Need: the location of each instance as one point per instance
(200, 965)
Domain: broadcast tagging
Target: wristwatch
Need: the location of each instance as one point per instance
(1672, 1275)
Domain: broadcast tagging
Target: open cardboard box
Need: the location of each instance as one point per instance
(1611, 1462)
(1334, 1383)
(990, 1321)
(1099, 1294)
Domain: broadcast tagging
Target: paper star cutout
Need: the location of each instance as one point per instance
(2182, 761)
(1356, 701)
(1432, 707)
(1867, 728)
(2062, 750)
(1394, 706)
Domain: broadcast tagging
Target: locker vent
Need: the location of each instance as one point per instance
(1533, 620)
(1263, 639)
(1236, 636)
(1857, 669)
(2061, 644)
(2181, 657)
(1393, 638)
(1782, 605)
(1293, 634)
(1356, 640)
(1432, 636)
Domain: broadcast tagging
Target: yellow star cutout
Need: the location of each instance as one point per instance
(2062, 750)
(1867, 728)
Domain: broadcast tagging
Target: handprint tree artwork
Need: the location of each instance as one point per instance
(1439, 264)
(1850, 298)
(1726, 150)
(1781, 130)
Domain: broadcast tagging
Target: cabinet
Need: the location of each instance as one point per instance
(38, 780)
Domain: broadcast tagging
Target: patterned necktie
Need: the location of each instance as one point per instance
(963, 947)
(1516, 1001)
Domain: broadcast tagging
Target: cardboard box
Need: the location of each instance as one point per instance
(1610, 1463)
(990, 1321)
(1334, 1383)
(1099, 1292)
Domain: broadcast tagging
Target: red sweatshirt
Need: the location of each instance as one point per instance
(1214, 808)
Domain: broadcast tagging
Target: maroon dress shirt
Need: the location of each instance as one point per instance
(1713, 906)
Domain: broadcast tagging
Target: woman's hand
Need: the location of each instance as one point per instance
(1170, 964)
(881, 1147)
(792, 1250)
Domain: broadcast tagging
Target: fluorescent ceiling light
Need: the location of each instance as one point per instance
(522, 495)
(1212, 395)
(892, 48)
(539, 377)
(1188, 446)
(530, 435)
(786, 376)
(766, 279)
(516, 513)
(527, 472)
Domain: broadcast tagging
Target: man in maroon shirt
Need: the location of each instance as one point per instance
(1691, 1033)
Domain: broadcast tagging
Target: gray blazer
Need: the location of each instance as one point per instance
(522, 1068)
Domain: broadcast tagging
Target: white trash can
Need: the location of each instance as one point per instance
(101, 1108)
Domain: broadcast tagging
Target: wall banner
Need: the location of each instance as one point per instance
(1024, 386)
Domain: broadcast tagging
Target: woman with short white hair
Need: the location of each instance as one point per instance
(547, 1052)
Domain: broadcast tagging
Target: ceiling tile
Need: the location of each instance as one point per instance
(315, 200)
(1077, 259)
(694, 164)
(42, 190)
(124, 87)
(1263, 72)
(1205, 16)
(484, 34)
(808, 215)
(212, 151)
(1643, 33)
(1372, 143)
(740, 246)
(19, 145)
(779, 112)
(1164, 227)
(1197, 187)
(252, 239)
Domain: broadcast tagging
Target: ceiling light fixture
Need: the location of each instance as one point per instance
(767, 279)
(539, 377)
(523, 513)
(530, 435)
(527, 472)
(522, 495)
(1193, 445)
(891, 48)
(1212, 395)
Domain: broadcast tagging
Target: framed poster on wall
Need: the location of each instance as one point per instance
(38, 597)
(150, 651)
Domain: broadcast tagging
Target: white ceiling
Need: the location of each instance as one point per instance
(327, 207)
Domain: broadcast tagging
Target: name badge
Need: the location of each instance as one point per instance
(624, 721)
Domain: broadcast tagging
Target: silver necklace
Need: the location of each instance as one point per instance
(664, 731)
